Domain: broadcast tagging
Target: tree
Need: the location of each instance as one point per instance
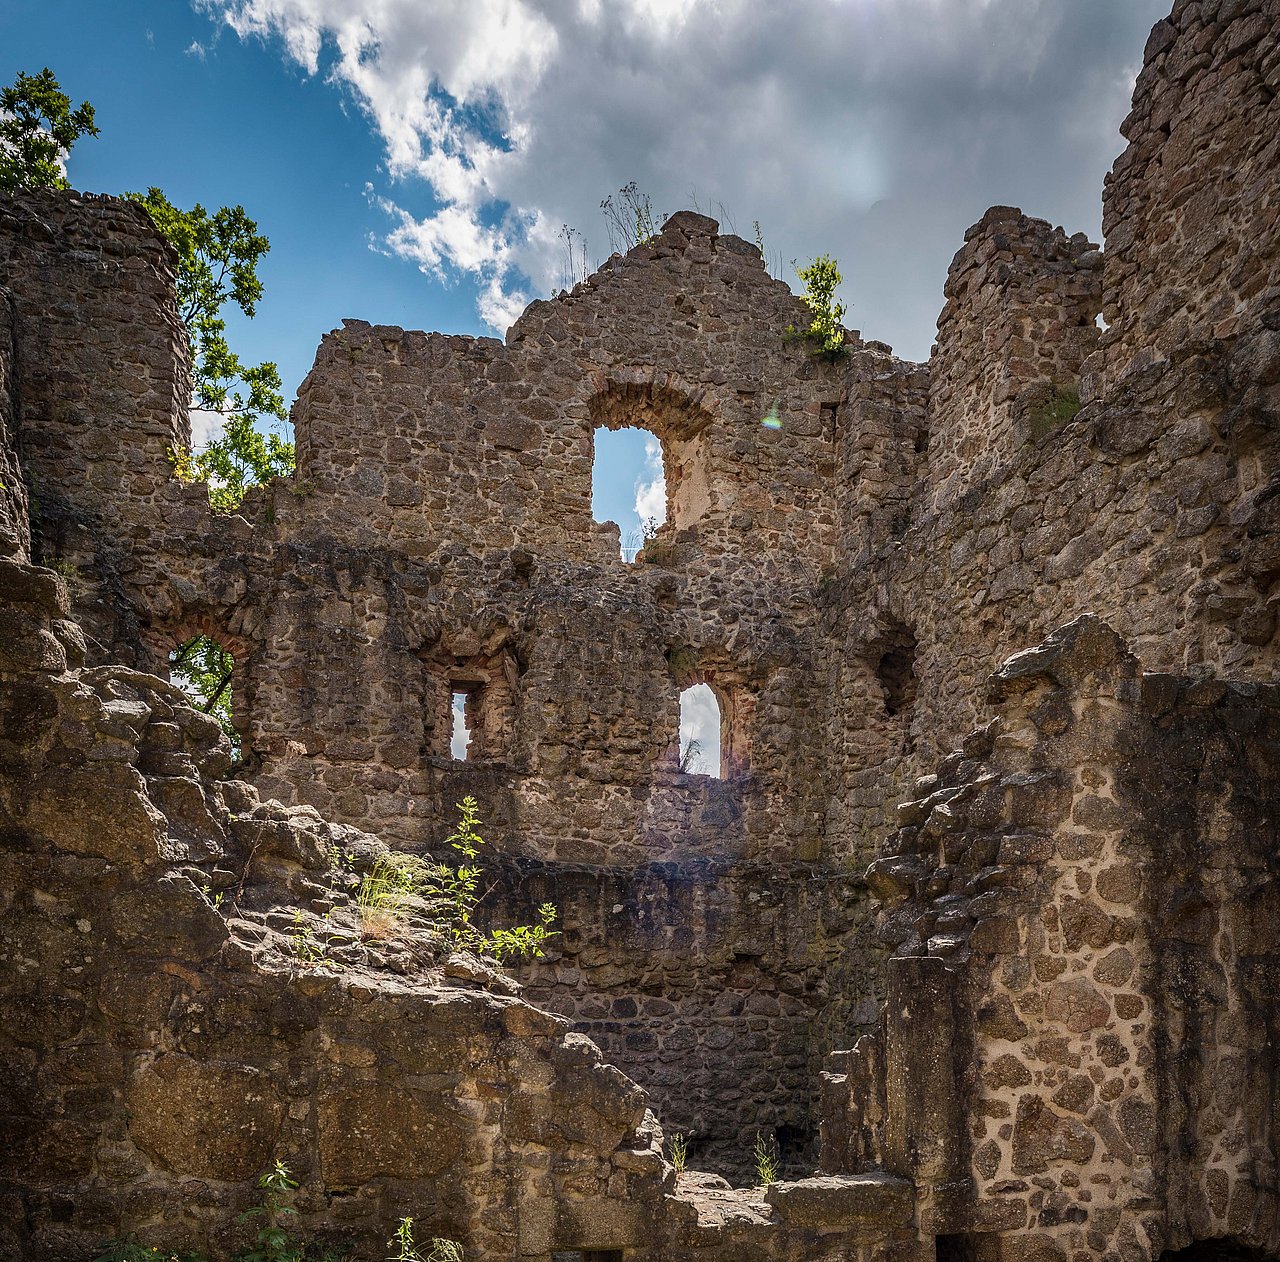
(218, 258)
(203, 669)
(37, 130)
(821, 279)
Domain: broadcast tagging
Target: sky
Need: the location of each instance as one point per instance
(415, 162)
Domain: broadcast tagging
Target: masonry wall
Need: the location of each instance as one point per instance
(1154, 503)
(100, 370)
(15, 528)
(844, 580)
(1093, 872)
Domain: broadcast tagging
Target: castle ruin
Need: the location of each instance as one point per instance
(981, 918)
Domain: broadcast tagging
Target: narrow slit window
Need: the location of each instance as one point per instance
(464, 707)
(700, 732)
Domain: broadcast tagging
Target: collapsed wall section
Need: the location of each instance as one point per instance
(1090, 873)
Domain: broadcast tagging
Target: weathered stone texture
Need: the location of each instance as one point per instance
(15, 530)
(1080, 869)
(1075, 1059)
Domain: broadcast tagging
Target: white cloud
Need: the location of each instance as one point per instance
(876, 130)
(205, 427)
(651, 485)
(700, 721)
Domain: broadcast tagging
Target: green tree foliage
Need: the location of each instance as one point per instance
(218, 257)
(821, 280)
(203, 669)
(37, 130)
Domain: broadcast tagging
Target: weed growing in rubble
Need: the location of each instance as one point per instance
(1061, 406)
(766, 1158)
(679, 1151)
(440, 1250)
(386, 894)
(303, 942)
(403, 889)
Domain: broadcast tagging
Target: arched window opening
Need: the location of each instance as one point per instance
(205, 671)
(700, 727)
(896, 670)
(629, 486)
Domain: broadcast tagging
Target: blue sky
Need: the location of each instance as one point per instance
(412, 161)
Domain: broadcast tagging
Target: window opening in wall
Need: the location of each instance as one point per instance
(700, 732)
(205, 671)
(896, 670)
(628, 485)
(465, 709)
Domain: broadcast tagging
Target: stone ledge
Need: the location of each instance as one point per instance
(841, 1201)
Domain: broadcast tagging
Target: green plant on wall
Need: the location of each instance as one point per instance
(404, 890)
(766, 1157)
(679, 1147)
(1047, 418)
(630, 219)
(825, 332)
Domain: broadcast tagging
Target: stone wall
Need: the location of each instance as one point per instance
(187, 996)
(844, 581)
(721, 987)
(102, 375)
(1154, 503)
(1021, 301)
(15, 528)
(1093, 870)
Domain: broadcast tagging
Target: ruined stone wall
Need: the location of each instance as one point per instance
(1094, 868)
(438, 442)
(186, 997)
(721, 987)
(15, 528)
(104, 387)
(167, 1037)
(1191, 215)
(1155, 503)
(1021, 299)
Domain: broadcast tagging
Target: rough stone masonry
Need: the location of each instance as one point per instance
(997, 951)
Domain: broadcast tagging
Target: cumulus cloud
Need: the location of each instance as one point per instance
(205, 427)
(876, 130)
(651, 485)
